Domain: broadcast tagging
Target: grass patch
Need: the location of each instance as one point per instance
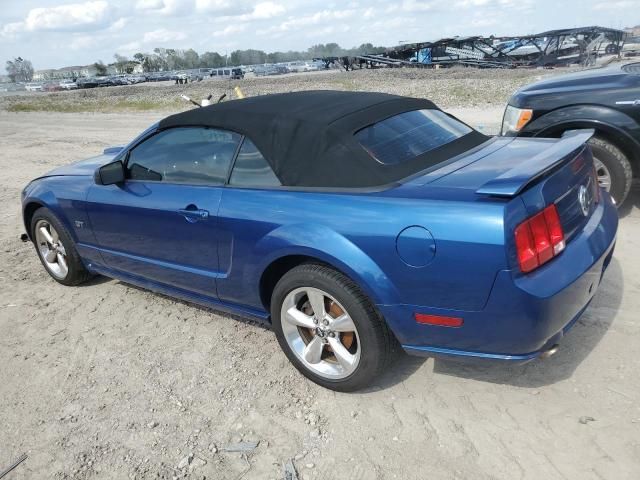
(94, 106)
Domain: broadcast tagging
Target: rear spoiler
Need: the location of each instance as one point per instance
(513, 181)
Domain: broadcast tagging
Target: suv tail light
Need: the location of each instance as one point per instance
(539, 239)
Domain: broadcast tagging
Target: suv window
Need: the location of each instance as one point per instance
(193, 155)
(407, 135)
(252, 169)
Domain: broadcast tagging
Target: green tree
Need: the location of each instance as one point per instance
(19, 70)
(101, 68)
(122, 64)
(191, 58)
(211, 60)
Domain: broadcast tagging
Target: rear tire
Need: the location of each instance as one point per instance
(56, 249)
(352, 352)
(613, 169)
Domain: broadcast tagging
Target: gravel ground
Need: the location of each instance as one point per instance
(107, 381)
(454, 87)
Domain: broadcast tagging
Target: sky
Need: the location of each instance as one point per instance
(57, 33)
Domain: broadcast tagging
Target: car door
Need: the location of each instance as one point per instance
(248, 211)
(161, 223)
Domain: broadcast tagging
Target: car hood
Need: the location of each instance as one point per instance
(604, 78)
(83, 167)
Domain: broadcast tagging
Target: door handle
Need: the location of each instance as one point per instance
(193, 214)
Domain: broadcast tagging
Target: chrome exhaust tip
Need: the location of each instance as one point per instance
(549, 352)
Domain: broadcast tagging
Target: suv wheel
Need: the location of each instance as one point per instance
(613, 169)
(328, 329)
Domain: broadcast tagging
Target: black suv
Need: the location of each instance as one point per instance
(604, 99)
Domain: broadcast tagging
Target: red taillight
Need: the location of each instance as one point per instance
(539, 239)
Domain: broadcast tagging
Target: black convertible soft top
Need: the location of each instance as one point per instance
(308, 137)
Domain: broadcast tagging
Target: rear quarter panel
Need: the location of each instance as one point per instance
(356, 233)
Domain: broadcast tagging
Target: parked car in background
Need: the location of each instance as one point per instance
(233, 73)
(68, 85)
(316, 65)
(180, 76)
(133, 79)
(353, 222)
(265, 70)
(33, 87)
(158, 76)
(295, 67)
(93, 82)
(12, 87)
(52, 87)
(237, 74)
(605, 99)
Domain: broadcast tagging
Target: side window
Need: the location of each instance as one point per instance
(252, 169)
(192, 155)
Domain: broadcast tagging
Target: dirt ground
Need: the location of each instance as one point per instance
(107, 381)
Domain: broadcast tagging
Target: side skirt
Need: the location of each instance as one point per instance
(209, 302)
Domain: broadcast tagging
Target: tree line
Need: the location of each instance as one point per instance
(161, 59)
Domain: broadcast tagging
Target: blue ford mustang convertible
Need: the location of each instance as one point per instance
(352, 222)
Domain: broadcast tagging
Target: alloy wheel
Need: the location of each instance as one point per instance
(320, 332)
(52, 251)
(603, 174)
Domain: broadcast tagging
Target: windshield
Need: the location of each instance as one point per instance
(408, 135)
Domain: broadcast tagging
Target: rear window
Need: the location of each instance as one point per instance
(405, 136)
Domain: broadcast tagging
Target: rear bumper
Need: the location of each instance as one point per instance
(525, 315)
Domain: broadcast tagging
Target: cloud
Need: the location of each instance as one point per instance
(131, 47)
(167, 7)
(149, 4)
(11, 30)
(119, 24)
(488, 4)
(220, 6)
(328, 30)
(188, 7)
(630, 4)
(84, 42)
(229, 30)
(267, 10)
(71, 17)
(415, 6)
(297, 23)
(163, 35)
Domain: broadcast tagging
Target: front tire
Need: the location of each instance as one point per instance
(56, 249)
(612, 168)
(329, 329)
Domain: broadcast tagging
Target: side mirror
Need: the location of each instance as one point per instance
(110, 174)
